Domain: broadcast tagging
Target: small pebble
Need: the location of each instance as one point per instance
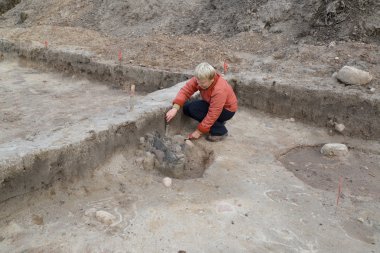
(339, 127)
(167, 181)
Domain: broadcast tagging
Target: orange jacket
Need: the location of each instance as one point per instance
(219, 95)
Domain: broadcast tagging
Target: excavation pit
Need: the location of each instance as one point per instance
(174, 156)
(279, 59)
(58, 126)
(359, 170)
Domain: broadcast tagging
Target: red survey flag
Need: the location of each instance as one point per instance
(120, 56)
(225, 66)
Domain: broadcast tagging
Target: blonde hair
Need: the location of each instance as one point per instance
(204, 71)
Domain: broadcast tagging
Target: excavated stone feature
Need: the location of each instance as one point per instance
(173, 156)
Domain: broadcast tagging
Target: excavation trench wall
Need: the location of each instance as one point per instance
(77, 61)
(360, 113)
(70, 162)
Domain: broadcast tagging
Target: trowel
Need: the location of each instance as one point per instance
(166, 128)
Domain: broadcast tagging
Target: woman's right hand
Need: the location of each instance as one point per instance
(171, 114)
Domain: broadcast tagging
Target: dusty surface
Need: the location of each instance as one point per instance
(247, 201)
(40, 110)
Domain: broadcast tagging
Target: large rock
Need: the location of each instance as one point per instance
(351, 75)
(334, 149)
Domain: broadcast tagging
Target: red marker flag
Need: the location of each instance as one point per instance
(120, 56)
(339, 190)
(46, 43)
(225, 66)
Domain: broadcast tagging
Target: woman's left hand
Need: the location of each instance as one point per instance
(195, 135)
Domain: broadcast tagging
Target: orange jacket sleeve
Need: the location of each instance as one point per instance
(217, 101)
(186, 92)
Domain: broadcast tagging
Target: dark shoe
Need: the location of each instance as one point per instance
(215, 138)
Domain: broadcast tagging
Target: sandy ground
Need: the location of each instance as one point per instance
(247, 201)
(255, 197)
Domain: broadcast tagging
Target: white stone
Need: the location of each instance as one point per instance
(334, 149)
(167, 181)
(352, 75)
(105, 217)
(339, 127)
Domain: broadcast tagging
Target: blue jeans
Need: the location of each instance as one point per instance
(198, 110)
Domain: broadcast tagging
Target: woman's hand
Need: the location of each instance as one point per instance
(195, 135)
(171, 114)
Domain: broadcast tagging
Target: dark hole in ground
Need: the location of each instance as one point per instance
(173, 156)
(6, 5)
(360, 171)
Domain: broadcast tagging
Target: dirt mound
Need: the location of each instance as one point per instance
(357, 20)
